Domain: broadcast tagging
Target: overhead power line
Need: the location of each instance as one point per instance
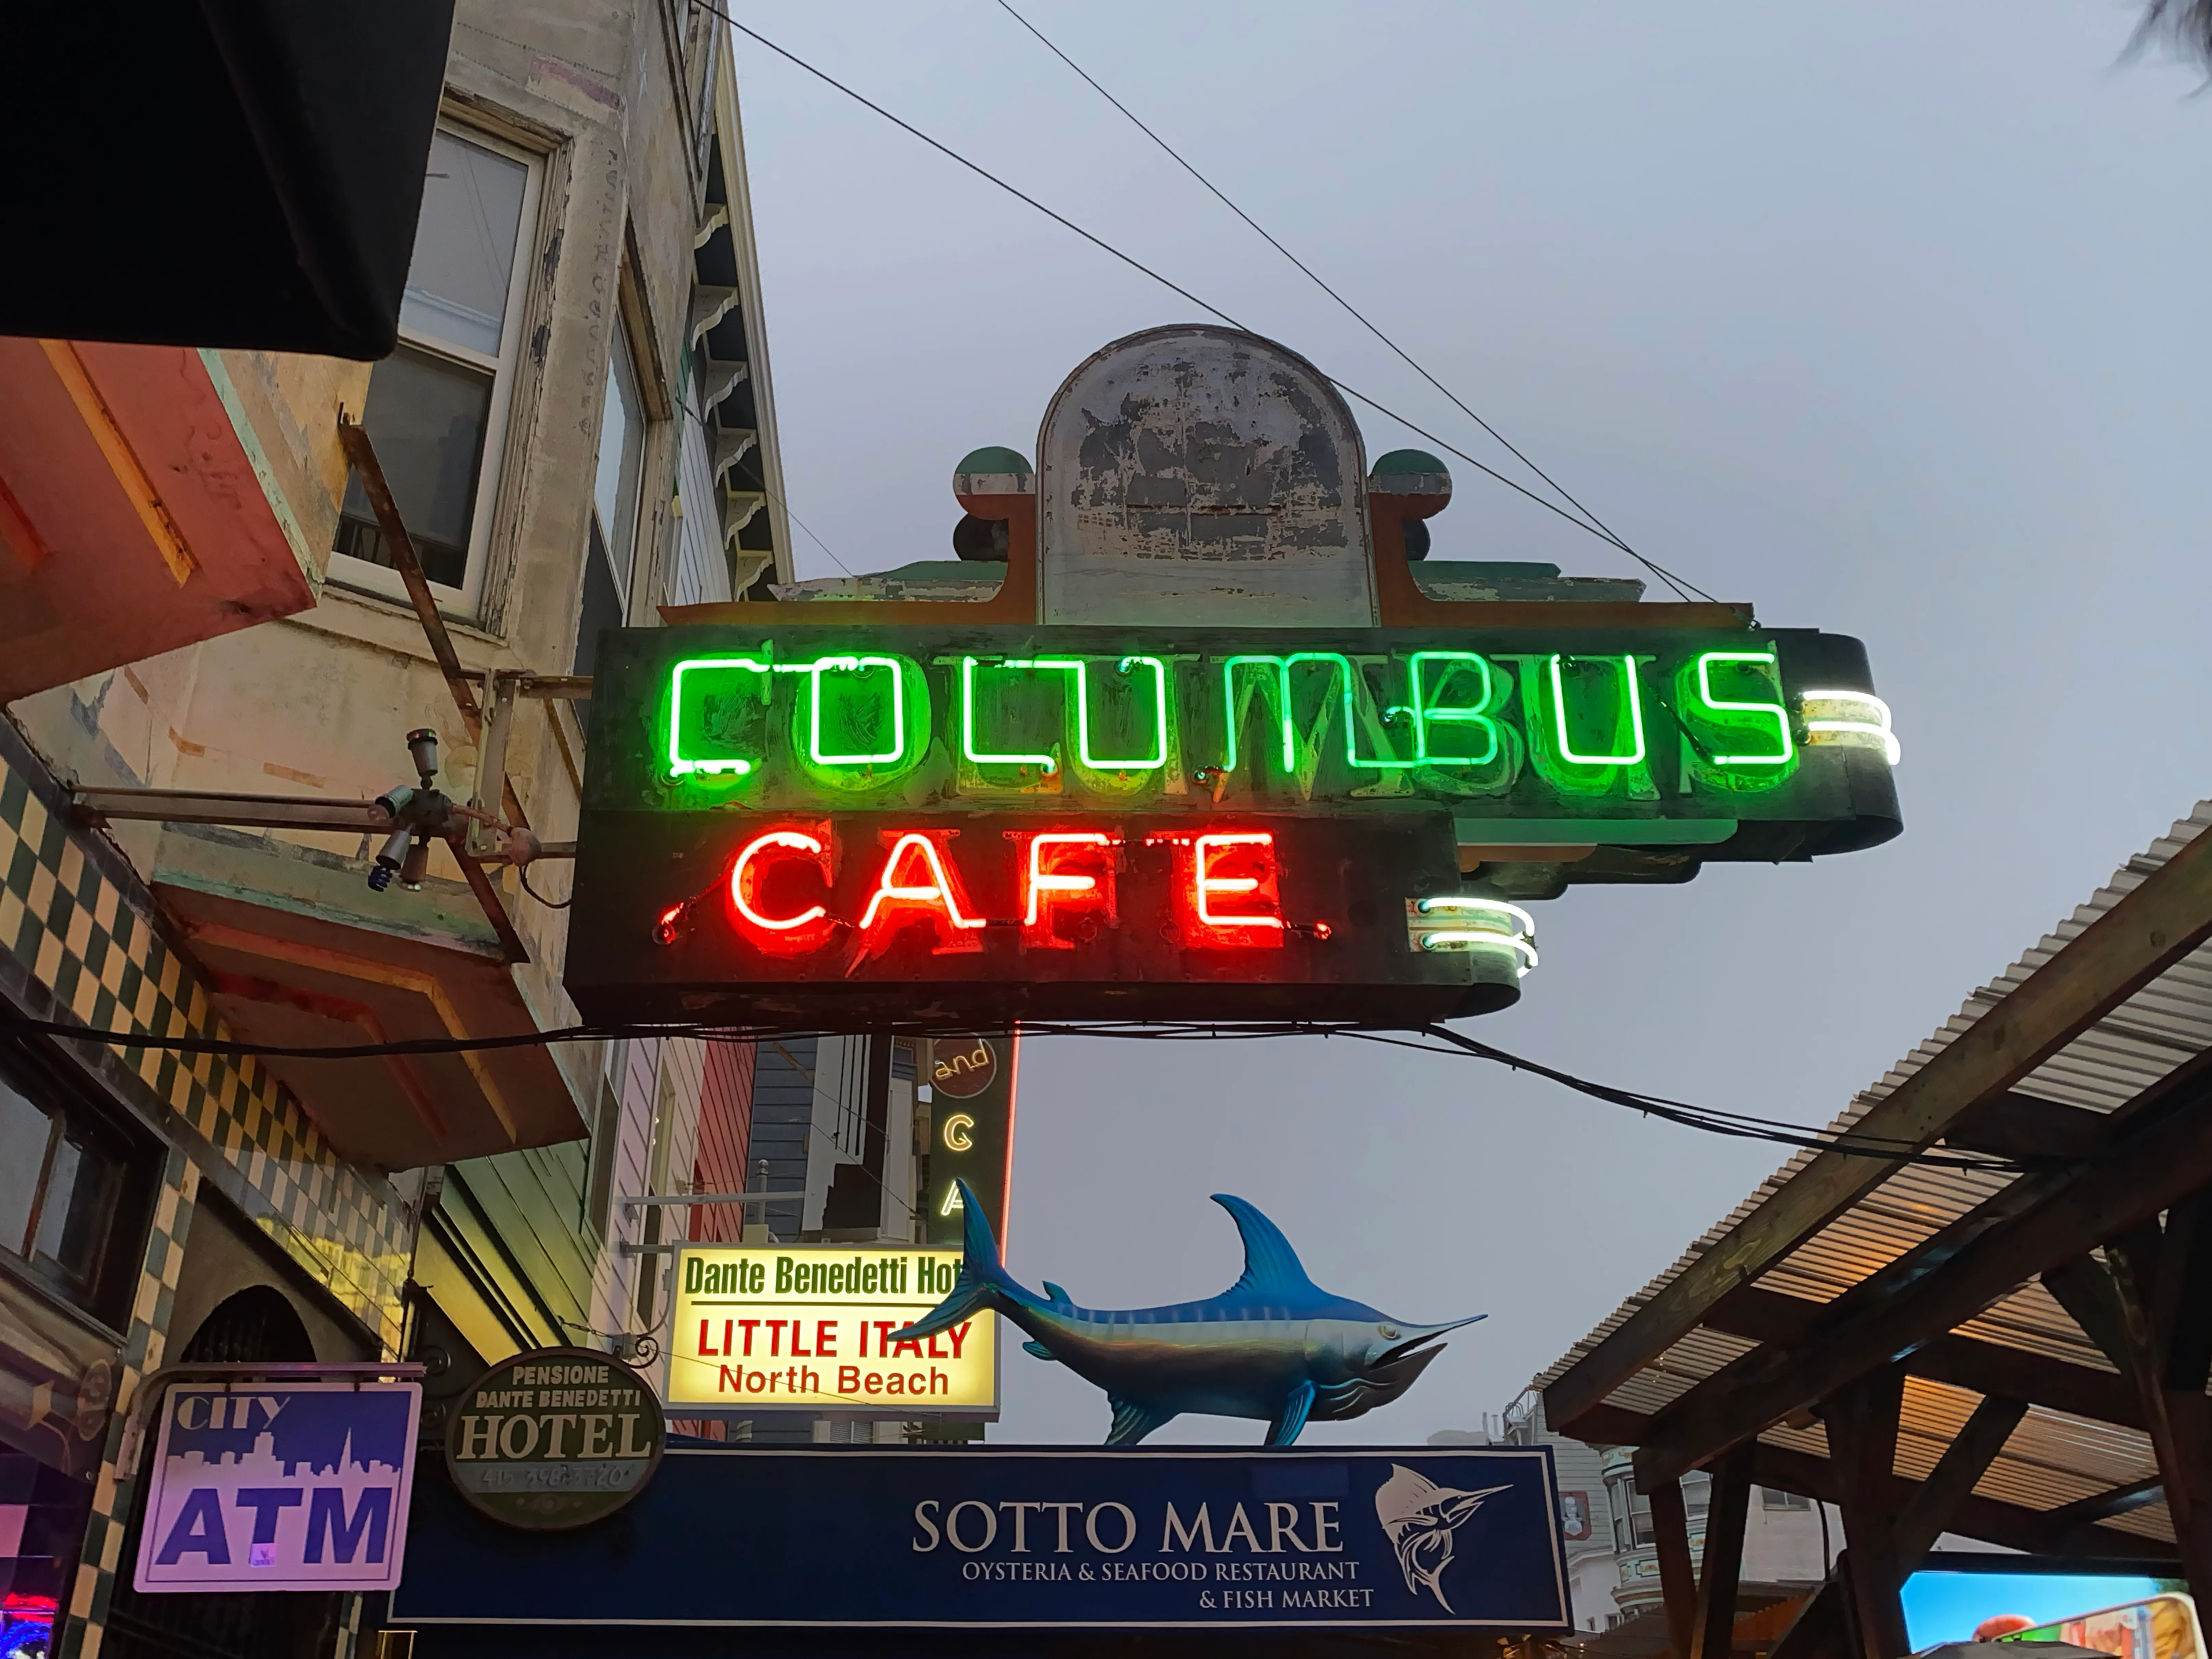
(1172, 287)
(1709, 1120)
(1605, 530)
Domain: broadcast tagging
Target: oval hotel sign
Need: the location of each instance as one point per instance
(554, 1439)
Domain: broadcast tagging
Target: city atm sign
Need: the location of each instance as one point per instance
(758, 1328)
(280, 1485)
(1147, 822)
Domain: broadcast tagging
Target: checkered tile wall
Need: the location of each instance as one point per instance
(80, 939)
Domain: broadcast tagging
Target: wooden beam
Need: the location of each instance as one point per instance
(2055, 1532)
(2180, 1433)
(1677, 1578)
(1992, 1520)
(1928, 1513)
(1963, 1362)
(1820, 1630)
(2182, 1315)
(1950, 1282)
(1862, 1422)
(2025, 1127)
(2166, 916)
(1727, 1513)
(2100, 1506)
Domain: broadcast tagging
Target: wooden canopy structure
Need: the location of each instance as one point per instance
(2011, 1342)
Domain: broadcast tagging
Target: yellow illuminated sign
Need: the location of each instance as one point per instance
(774, 1328)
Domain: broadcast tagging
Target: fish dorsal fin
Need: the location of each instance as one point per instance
(1270, 1263)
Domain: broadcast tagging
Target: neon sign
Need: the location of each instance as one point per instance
(1650, 724)
(930, 827)
(915, 919)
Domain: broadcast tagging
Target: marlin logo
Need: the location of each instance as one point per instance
(1273, 1346)
(1420, 1518)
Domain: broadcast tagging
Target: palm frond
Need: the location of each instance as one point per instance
(2181, 27)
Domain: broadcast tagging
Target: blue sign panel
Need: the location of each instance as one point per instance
(981, 1538)
(280, 1486)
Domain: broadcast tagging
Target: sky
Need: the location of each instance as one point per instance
(1886, 317)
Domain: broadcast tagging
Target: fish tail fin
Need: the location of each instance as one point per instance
(983, 1282)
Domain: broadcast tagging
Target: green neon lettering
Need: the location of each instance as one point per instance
(1427, 712)
(979, 757)
(1635, 703)
(1764, 711)
(679, 763)
(1152, 763)
(1281, 693)
(860, 666)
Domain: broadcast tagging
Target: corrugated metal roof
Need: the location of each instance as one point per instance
(2051, 1459)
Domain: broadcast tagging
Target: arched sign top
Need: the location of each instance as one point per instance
(1198, 474)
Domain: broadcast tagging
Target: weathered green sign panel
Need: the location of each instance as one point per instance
(554, 1439)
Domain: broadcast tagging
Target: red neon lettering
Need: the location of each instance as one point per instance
(894, 901)
(1208, 849)
(805, 930)
(1051, 887)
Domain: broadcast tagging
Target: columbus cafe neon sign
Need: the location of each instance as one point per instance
(931, 826)
(1226, 884)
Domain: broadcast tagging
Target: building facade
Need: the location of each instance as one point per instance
(1613, 1561)
(577, 427)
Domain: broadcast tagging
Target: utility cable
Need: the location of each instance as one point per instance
(1354, 312)
(1172, 287)
(1708, 1120)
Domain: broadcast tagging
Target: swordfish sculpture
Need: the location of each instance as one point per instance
(1273, 1346)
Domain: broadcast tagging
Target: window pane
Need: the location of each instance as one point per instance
(23, 1133)
(425, 416)
(93, 1196)
(621, 449)
(75, 1221)
(464, 244)
(602, 609)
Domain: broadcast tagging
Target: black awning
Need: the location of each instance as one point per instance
(233, 173)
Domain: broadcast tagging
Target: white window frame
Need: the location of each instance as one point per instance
(467, 600)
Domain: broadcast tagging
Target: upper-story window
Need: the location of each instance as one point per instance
(72, 1194)
(611, 551)
(1631, 1513)
(436, 409)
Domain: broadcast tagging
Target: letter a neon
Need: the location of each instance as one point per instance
(939, 892)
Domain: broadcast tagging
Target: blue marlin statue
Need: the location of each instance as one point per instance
(1273, 1346)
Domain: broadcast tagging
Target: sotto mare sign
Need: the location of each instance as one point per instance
(280, 1486)
(1417, 1536)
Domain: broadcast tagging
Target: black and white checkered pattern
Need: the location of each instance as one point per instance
(80, 938)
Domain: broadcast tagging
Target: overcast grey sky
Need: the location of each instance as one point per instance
(1889, 317)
